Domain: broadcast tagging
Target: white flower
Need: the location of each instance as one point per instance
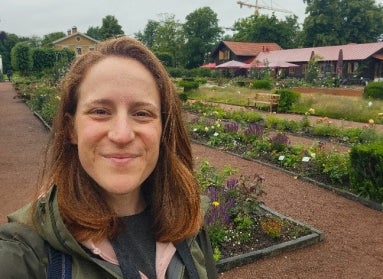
(215, 134)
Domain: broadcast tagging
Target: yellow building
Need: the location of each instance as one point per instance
(76, 41)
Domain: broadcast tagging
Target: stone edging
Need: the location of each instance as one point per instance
(301, 242)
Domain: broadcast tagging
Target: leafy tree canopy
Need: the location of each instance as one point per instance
(49, 38)
(94, 32)
(110, 28)
(148, 36)
(201, 33)
(263, 28)
(333, 22)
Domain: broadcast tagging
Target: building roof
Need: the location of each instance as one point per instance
(246, 48)
(327, 53)
(74, 35)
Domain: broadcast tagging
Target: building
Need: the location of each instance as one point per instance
(351, 61)
(240, 51)
(76, 41)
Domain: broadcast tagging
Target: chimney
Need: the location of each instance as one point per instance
(74, 30)
(69, 32)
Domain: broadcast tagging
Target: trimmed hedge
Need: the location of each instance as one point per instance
(366, 172)
(373, 90)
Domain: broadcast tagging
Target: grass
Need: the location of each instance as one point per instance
(355, 109)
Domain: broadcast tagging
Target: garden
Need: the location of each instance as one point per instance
(237, 222)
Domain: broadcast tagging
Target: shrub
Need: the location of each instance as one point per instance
(188, 84)
(366, 171)
(166, 58)
(262, 84)
(373, 90)
(21, 58)
(287, 99)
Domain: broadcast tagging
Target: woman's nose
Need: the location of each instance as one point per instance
(121, 131)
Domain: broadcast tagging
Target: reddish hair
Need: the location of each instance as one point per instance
(172, 190)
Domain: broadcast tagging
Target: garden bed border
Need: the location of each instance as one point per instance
(314, 237)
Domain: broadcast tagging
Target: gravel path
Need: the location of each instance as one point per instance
(353, 245)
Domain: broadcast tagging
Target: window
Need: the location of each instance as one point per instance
(78, 38)
(79, 50)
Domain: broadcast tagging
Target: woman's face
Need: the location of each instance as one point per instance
(117, 126)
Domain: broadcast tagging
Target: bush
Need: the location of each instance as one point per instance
(262, 84)
(366, 171)
(287, 99)
(373, 90)
(188, 84)
(21, 58)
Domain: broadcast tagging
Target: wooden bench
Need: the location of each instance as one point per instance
(261, 99)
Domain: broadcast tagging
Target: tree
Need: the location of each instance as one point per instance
(148, 37)
(263, 28)
(333, 22)
(7, 42)
(94, 32)
(201, 33)
(170, 39)
(110, 28)
(21, 58)
(51, 37)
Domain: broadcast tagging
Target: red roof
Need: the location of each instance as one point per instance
(249, 49)
(327, 53)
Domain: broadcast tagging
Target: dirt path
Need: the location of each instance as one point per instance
(21, 143)
(353, 246)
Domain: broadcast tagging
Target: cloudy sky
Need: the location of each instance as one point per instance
(41, 17)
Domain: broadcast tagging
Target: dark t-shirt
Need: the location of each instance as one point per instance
(135, 246)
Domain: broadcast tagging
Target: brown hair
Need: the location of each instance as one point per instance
(172, 189)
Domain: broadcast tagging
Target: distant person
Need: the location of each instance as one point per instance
(9, 75)
(117, 197)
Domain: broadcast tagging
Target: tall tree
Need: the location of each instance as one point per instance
(148, 36)
(201, 33)
(332, 22)
(7, 42)
(94, 32)
(264, 28)
(170, 39)
(110, 28)
(51, 37)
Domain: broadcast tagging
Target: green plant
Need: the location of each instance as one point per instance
(373, 90)
(188, 84)
(335, 164)
(262, 84)
(366, 172)
(287, 99)
(234, 205)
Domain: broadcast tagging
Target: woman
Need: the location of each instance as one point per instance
(117, 196)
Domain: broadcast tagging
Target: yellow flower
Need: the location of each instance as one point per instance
(215, 203)
(371, 121)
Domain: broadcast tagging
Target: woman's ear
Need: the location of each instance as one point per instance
(71, 128)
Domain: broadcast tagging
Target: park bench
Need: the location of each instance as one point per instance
(262, 99)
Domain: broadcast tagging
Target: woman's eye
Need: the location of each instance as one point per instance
(143, 114)
(99, 112)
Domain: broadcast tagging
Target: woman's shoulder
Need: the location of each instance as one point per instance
(23, 253)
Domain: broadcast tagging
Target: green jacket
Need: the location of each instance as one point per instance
(24, 248)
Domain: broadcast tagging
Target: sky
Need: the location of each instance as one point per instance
(41, 17)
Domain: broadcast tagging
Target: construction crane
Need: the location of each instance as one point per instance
(258, 7)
